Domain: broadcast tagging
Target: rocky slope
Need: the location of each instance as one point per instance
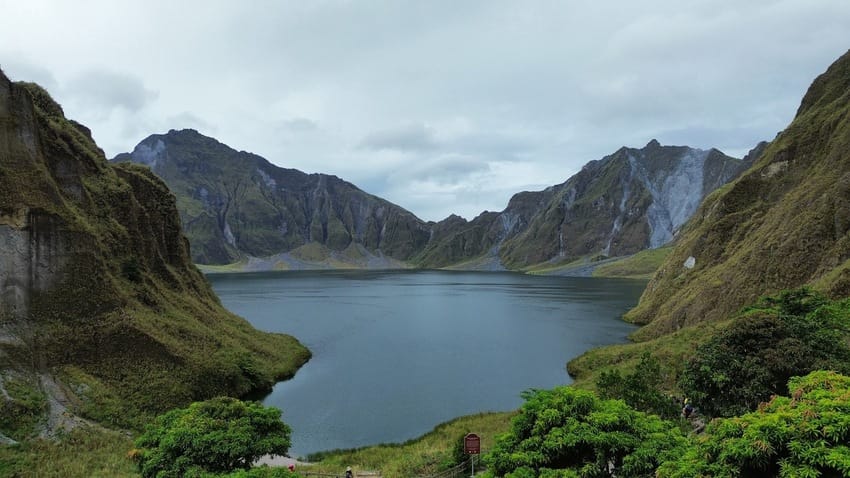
(632, 200)
(236, 204)
(784, 223)
(101, 309)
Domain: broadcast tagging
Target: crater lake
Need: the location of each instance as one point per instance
(397, 352)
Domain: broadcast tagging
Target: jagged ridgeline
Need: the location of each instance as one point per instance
(97, 288)
(784, 223)
(236, 206)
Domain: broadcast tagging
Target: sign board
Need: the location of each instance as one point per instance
(472, 444)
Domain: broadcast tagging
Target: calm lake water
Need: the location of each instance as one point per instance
(396, 353)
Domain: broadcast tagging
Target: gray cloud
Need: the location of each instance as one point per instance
(105, 90)
(411, 137)
(441, 105)
(299, 125)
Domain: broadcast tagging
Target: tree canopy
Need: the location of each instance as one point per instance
(216, 436)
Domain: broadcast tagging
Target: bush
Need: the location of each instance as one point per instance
(805, 435)
(570, 432)
(641, 389)
(784, 336)
(217, 436)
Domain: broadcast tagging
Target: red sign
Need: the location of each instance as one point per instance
(472, 444)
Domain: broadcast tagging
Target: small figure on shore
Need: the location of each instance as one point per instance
(292, 467)
(348, 473)
(688, 409)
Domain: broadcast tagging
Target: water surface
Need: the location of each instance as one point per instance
(396, 353)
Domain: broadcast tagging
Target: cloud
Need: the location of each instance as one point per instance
(106, 91)
(299, 125)
(414, 137)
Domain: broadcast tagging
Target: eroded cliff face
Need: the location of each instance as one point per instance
(97, 289)
(783, 224)
(629, 201)
(236, 204)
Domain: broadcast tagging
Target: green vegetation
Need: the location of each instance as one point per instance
(639, 266)
(571, 432)
(787, 335)
(567, 432)
(804, 435)
(23, 410)
(86, 452)
(216, 436)
(429, 454)
(642, 389)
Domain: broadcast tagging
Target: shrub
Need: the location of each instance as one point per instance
(220, 435)
(788, 335)
(570, 432)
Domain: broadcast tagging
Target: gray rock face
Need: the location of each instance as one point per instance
(631, 200)
(33, 255)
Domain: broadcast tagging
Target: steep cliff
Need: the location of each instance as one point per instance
(632, 200)
(782, 224)
(101, 309)
(236, 204)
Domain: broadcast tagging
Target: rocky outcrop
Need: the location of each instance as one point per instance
(236, 205)
(97, 289)
(783, 224)
(632, 200)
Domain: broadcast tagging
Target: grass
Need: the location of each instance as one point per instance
(428, 454)
(82, 453)
(638, 266)
(672, 351)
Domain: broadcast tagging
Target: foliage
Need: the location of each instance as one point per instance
(570, 432)
(215, 436)
(429, 454)
(783, 336)
(22, 409)
(85, 452)
(803, 436)
(641, 389)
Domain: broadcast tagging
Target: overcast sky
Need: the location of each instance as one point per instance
(438, 106)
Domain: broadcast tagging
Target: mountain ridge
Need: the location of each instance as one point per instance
(237, 206)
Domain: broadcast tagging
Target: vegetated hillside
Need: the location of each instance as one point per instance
(632, 200)
(101, 309)
(236, 204)
(782, 224)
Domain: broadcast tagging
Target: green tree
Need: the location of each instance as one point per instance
(787, 335)
(806, 435)
(570, 432)
(640, 389)
(216, 436)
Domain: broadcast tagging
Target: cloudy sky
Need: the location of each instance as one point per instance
(438, 106)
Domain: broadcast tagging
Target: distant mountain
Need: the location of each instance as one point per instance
(102, 313)
(629, 201)
(236, 206)
(783, 224)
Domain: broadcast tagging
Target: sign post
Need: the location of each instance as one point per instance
(472, 446)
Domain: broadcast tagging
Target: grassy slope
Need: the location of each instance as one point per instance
(639, 266)
(784, 223)
(131, 327)
(426, 455)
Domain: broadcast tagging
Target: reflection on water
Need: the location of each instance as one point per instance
(395, 353)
